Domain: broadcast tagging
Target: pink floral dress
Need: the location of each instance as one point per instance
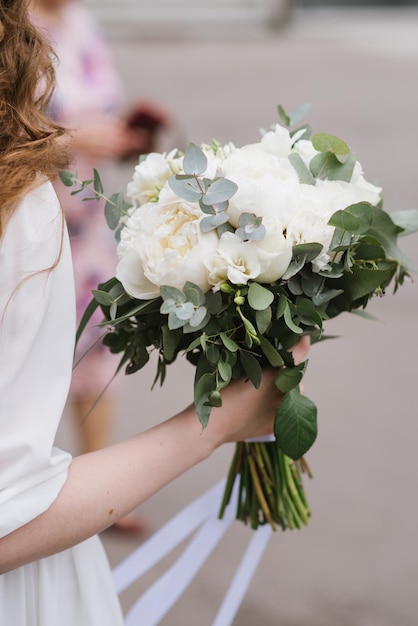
(87, 85)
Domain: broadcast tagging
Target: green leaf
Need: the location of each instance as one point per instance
(289, 377)
(204, 385)
(289, 321)
(174, 321)
(259, 298)
(251, 367)
(345, 221)
(225, 371)
(172, 293)
(214, 398)
(102, 297)
(114, 209)
(270, 352)
(186, 187)
(263, 320)
(407, 220)
(323, 142)
(228, 342)
(213, 221)
(220, 190)
(326, 166)
(170, 341)
(194, 161)
(68, 178)
(295, 425)
(302, 170)
(194, 294)
(97, 183)
(283, 116)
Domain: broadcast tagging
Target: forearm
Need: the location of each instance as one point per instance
(104, 485)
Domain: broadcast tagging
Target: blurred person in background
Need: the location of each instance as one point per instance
(88, 100)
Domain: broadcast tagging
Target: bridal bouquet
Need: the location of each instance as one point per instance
(228, 255)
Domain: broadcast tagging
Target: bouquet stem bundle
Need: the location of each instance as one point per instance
(270, 487)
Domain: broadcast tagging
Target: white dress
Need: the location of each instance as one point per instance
(37, 326)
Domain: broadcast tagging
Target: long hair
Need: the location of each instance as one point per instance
(28, 139)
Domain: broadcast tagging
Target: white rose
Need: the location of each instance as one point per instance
(240, 261)
(162, 244)
(150, 175)
(235, 260)
(267, 184)
(277, 141)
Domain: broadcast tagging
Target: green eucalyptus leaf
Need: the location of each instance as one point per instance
(194, 161)
(341, 240)
(197, 317)
(406, 220)
(102, 297)
(300, 112)
(295, 425)
(97, 183)
(172, 293)
(220, 190)
(194, 294)
(325, 165)
(204, 385)
(174, 321)
(326, 296)
(301, 169)
(259, 297)
(251, 367)
(213, 221)
(323, 142)
(68, 178)
(283, 116)
(114, 209)
(185, 311)
(186, 187)
(213, 302)
(344, 220)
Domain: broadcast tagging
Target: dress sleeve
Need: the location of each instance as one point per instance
(37, 324)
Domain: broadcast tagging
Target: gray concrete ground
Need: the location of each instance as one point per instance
(357, 562)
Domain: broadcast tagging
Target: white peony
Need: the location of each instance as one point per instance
(162, 244)
(267, 184)
(150, 176)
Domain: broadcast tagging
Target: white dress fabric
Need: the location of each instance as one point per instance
(37, 328)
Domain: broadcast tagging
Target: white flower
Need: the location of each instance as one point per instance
(317, 203)
(235, 260)
(267, 184)
(150, 175)
(162, 244)
(239, 261)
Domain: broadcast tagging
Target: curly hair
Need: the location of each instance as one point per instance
(28, 139)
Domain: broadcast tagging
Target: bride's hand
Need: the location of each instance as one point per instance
(247, 412)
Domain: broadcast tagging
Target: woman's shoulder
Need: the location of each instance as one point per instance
(37, 220)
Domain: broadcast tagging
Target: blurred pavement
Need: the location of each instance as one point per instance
(357, 562)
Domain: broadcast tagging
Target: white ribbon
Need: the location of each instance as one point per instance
(157, 600)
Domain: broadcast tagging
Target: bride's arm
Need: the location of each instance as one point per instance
(104, 485)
